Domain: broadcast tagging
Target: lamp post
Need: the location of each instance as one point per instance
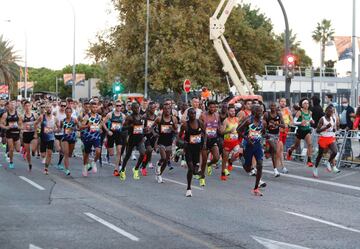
(147, 48)
(353, 58)
(57, 87)
(74, 42)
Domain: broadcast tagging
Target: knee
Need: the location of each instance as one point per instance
(259, 165)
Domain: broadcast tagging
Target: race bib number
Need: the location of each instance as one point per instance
(29, 127)
(68, 131)
(115, 126)
(13, 124)
(255, 135)
(48, 130)
(150, 123)
(94, 128)
(166, 129)
(138, 129)
(211, 132)
(195, 139)
(234, 136)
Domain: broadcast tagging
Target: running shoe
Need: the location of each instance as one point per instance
(253, 172)
(309, 164)
(226, 172)
(230, 167)
(30, 167)
(67, 172)
(60, 167)
(43, 160)
(262, 184)
(256, 192)
(151, 166)
(143, 172)
(133, 156)
(116, 172)
(89, 167)
(285, 170)
(183, 163)
(136, 174)
(46, 171)
(276, 173)
(159, 179)
(223, 177)
(335, 170)
(157, 170)
(288, 155)
(94, 168)
(328, 166)
(85, 171)
(196, 176)
(188, 193)
(315, 172)
(8, 159)
(202, 182)
(11, 166)
(209, 169)
(122, 175)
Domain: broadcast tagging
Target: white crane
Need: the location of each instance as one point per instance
(217, 30)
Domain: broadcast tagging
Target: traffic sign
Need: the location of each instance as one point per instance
(187, 85)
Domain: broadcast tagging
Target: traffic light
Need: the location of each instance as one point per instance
(289, 65)
(117, 88)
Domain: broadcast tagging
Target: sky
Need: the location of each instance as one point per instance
(49, 25)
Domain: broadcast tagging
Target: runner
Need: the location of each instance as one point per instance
(29, 135)
(10, 122)
(195, 140)
(211, 121)
(49, 125)
(231, 141)
(252, 130)
(288, 120)
(69, 126)
(274, 145)
(167, 126)
(113, 124)
(2, 131)
(150, 136)
(91, 138)
(60, 116)
(303, 120)
(135, 126)
(327, 141)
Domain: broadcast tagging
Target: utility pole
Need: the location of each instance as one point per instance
(147, 48)
(354, 90)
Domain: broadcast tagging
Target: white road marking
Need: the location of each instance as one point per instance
(34, 184)
(181, 183)
(31, 246)
(324, 222)
(113, 227)
(343, 175)
(313, 180)
(273, 244)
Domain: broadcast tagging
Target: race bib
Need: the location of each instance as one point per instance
(150, 123)
(254, 134)
(29, 127)
(166, 129)
(94, 128)
(13, 124)
(115, 126)
(195, 139)
(234, 136)
(68, 131)
(138, 129)
(211, 132)
(48, 130)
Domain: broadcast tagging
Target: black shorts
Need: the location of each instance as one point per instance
(301, 134)
(150, 142)
(46, 145)
(14, 136)
(59, 137)
(192, 153)
(211, 142)
(116, 139)
(28, 137)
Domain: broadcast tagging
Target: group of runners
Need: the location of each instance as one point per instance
(203, 135)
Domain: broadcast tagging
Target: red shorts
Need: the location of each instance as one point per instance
(325, 142)
(283, 135)
(229, 145)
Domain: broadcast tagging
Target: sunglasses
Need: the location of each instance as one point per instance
(118, 105)
(63, 105)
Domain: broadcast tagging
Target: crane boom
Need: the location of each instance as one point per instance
(227, 57)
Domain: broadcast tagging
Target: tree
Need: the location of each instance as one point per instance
(322, 34)
(8, 67)
(302, 59)
(179, 44)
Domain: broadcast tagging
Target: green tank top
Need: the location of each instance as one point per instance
(307, 118)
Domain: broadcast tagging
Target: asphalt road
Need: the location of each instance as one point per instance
(296, 211)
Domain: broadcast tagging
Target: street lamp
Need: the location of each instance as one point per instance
(74, 36)
(147, 48)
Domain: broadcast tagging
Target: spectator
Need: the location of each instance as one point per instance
(346, 124)
(317, 111)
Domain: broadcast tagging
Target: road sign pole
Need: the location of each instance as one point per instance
(186, 97)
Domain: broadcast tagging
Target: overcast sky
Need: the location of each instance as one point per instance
(49, 25)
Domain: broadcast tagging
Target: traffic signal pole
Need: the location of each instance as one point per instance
(287, 51)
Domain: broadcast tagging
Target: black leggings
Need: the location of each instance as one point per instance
(192, 155)
(332, 148)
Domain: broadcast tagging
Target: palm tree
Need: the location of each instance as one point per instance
(8, 67)
(323, 33)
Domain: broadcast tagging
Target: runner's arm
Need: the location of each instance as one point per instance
(3, 121)
(320, 128)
